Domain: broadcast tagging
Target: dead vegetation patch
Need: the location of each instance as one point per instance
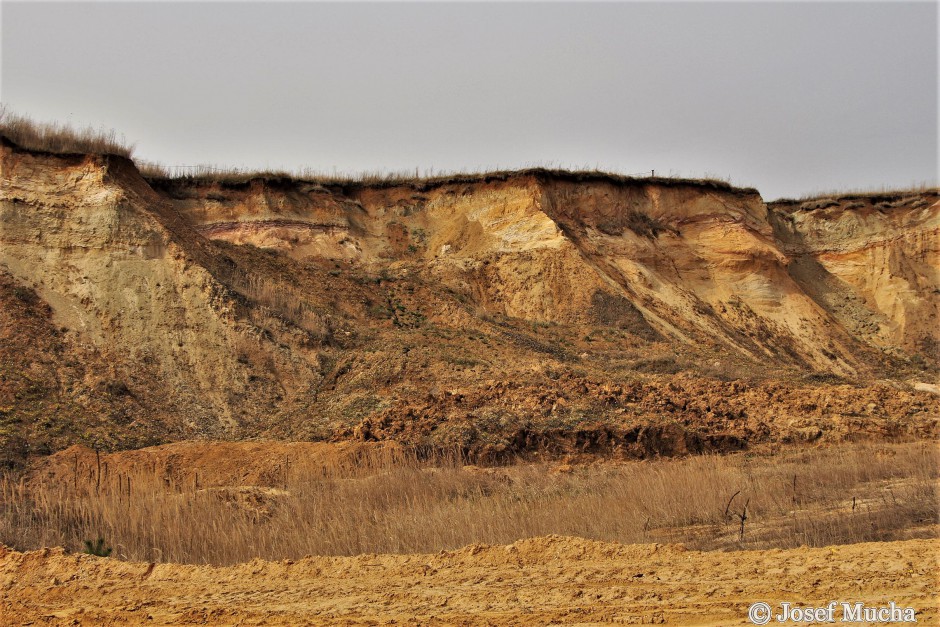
(60, 138)
(377, 500)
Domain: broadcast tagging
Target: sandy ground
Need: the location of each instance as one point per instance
(540, 581)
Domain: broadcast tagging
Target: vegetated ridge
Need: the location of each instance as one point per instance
(510, 314)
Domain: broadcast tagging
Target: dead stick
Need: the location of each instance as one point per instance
(728, 506)
(98, 476)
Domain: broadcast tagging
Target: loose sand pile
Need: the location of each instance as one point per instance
(532, 582)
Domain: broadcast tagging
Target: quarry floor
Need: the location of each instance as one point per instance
(539, 581)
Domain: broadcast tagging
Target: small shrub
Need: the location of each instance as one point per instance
(25, 294)
(97, 548)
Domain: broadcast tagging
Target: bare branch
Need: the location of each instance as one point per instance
(728, 506)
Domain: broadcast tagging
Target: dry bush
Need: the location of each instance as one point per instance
(846, 494)
(60, 138)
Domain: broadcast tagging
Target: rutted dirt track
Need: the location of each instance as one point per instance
(532, 582)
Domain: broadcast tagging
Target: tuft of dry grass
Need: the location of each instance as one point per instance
(845, 494)
(60, 138)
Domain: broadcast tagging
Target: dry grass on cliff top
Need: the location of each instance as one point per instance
(845, 494)
(160, 175)
(58, 138)
(61, 138)
(55, 137)
(873, 193)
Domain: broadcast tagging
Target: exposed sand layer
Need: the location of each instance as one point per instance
(538, 581)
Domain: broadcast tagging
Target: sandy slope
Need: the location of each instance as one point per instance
(533, 582)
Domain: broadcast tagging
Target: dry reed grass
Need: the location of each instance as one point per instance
(850, 493)
(60, 138)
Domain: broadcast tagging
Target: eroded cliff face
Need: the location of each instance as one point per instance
(873, 262)
(702, 266)
(691, 263)
(285, 308)
(127, 278)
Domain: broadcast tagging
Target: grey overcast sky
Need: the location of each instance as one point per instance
(788, 97)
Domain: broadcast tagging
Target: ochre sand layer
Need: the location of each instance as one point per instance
(537, 581)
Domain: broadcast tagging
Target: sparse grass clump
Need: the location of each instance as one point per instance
(60, 138)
